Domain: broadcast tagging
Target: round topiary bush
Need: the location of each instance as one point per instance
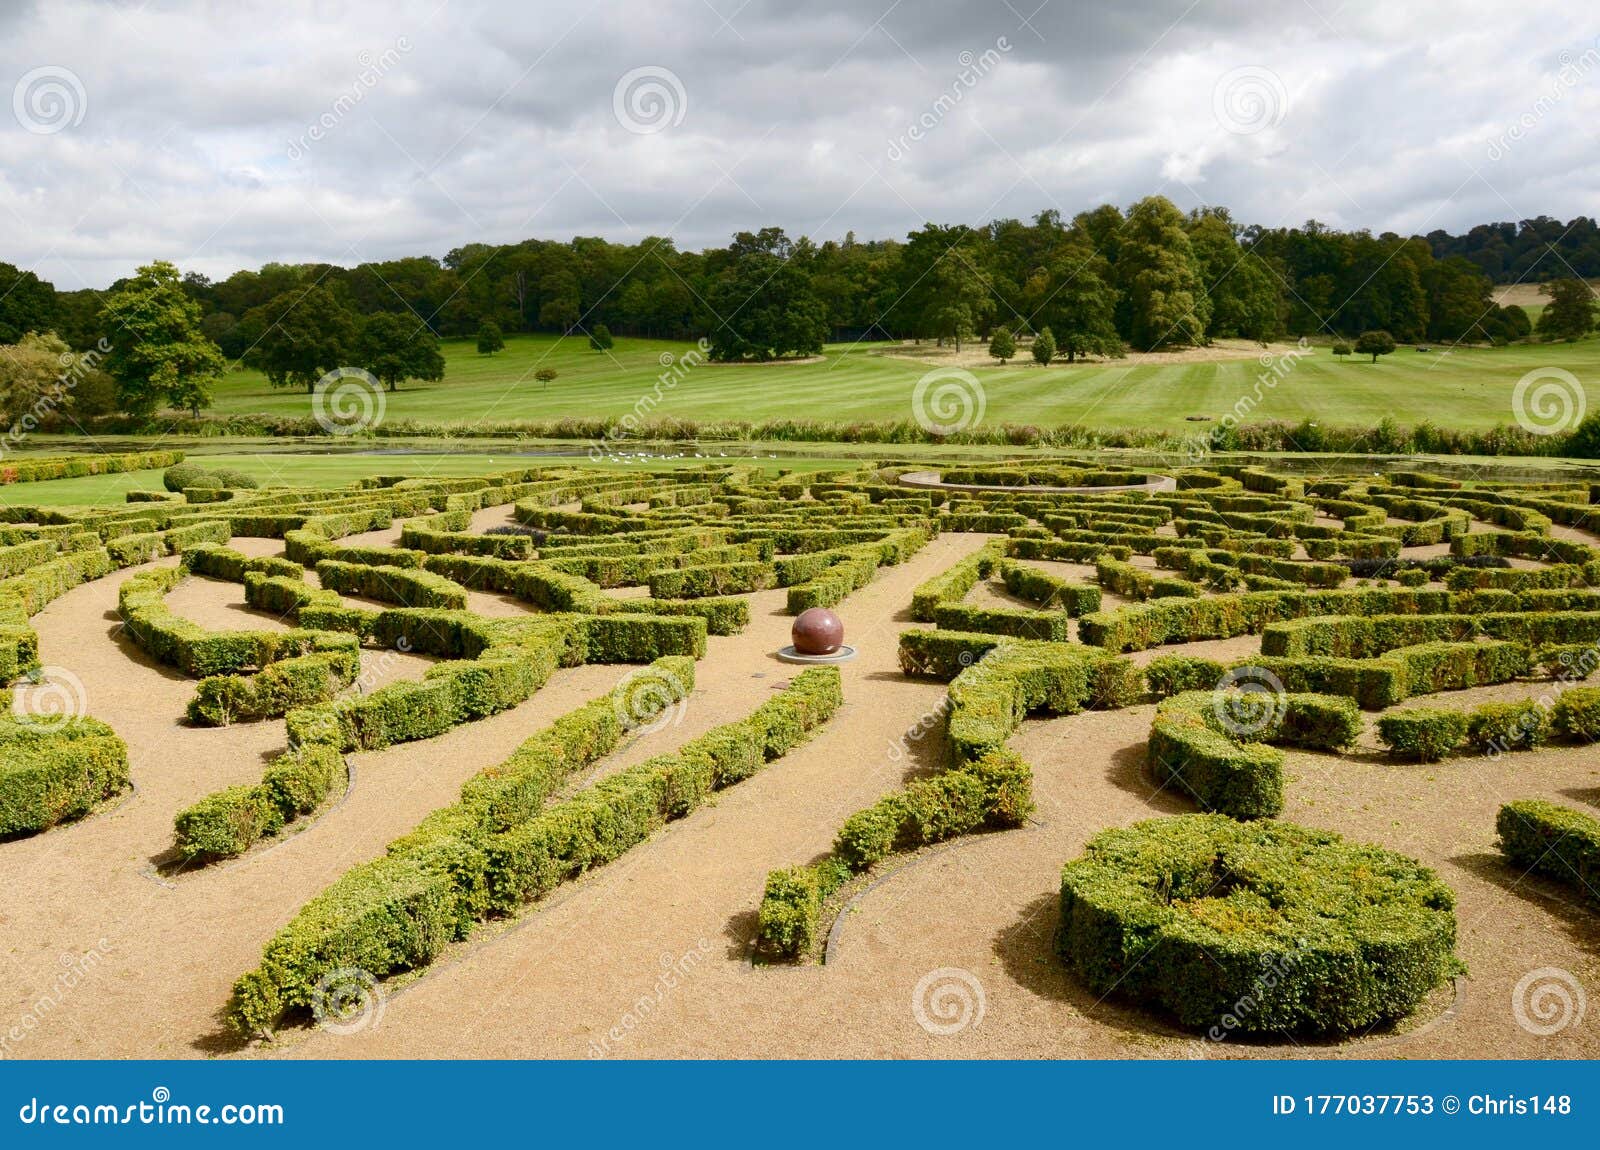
(1262, 927)
(236, 479)
(182, 475)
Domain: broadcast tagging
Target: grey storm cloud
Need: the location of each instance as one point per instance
(226, 135)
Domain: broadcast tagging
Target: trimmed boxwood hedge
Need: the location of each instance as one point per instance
(404, 586)
(502, 846)
(1555, 841)
(1426, 734)
(53, 771)
(995, 791)
(1193, 748)
(952, 584)
(1264, 927)
(1048, 590)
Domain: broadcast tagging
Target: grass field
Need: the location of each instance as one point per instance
(1465, 388)
(324, 471)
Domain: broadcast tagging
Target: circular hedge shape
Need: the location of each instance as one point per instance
(1261, 927)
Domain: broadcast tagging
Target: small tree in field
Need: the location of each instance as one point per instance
(490, 338)
(1044, 347)
(600, 338)
(1002, 346)
(1375, 343)
(1341, 349)
(544, 375)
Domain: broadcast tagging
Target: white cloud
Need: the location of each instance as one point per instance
(437, 124)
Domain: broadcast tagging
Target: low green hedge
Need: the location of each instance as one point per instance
(462, 864)
(1555, 841)
(1264, 927)
(1576, 714)
(276, 690)
(1048, 590)
(52, 772)
(711, 579)
(1426, 734)
(230, 821)
(407, 587)
(995, 791)
(1167, 675)
(201, 653)
(1402, 673)
(1216, 746)
(1018, 623)
(952, 584)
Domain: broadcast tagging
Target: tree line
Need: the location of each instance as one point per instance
(1148, 277)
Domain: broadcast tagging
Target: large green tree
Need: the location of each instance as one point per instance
(764, 305)
(1164, 301)
(158, 354)
(299, 336)
(1247, 297)
(1570, 314)
(27, 303)
(1079, 304)
(395, 348)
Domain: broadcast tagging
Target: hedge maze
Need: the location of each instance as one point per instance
(1365, 600)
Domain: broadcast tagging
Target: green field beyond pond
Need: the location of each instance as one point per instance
(1467, 388)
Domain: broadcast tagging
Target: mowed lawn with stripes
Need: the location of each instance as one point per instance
(1464, 388)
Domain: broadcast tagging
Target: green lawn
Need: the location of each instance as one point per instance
(331, 470)
(1466, 388)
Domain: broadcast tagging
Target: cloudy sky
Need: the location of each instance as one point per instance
(227, 133)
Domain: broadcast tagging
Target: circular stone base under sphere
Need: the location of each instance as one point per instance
(817, 631)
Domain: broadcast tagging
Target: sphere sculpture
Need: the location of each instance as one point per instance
(817, 631)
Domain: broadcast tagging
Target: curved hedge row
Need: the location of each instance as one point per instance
(53, 771)
(1265, 927)
(1198, 744)
(502, 846)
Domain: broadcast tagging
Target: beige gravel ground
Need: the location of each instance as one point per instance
(591, 960)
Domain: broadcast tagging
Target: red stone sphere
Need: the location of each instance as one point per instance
(817, 631)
